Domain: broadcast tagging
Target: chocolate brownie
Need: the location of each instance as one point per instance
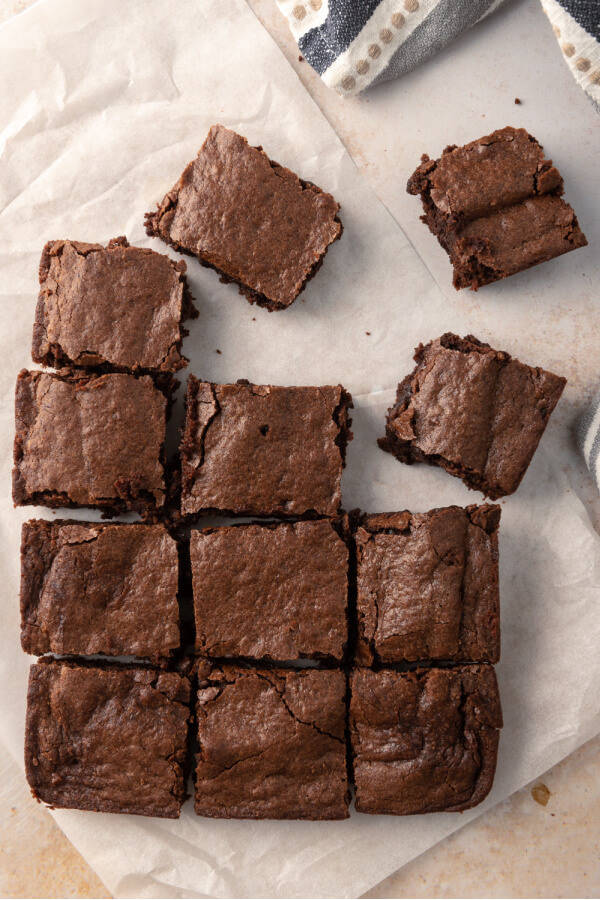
(423, 741)
(474, 411)
(260, 450)
(107, 738)
(93, 588)
(428, 586)
(89, 440)
(495, 206)
(118, 306)
(272, 743)
(277, 592)
(250, 219)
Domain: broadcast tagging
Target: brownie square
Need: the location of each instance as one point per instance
(495, 206)
(474, 411)
(107, 738)
(89, 440)
(272, 743)
(250, 219)
(117, 306)
(93, 588)
(277, 592)
(260, 450)
(427, 586)
(423, 741)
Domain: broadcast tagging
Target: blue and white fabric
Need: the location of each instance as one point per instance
(353, 44)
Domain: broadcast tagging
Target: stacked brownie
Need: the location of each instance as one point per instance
(496, 207)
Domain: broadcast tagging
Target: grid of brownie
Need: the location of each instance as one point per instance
(113, 736)
(327, 649)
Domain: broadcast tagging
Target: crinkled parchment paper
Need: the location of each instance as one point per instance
(101, 106)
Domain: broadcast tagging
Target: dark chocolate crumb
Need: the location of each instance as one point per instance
(219, 352)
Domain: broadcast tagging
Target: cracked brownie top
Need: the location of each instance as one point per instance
(427, 586)
(498, 170)
(118, 306)
(474, 411)
(93, 588)
(262, 450)
(495, 206)
(277, 592)
(107, 737)
(89, 440)
(423, 741)
(272, 743)
(249, 218)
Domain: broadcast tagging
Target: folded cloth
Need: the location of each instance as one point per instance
(576, 24)
(587, 433)
(355, 43)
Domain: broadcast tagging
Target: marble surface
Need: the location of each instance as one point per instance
(545, 839)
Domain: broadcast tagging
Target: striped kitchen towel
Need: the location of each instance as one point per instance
(355, 43)
(588, 437)
(576, 24)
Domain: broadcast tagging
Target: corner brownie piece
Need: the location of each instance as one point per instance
(272, 743)
(423, 741)
(93, 588)
(474, 411)
(117, 306)
(89, 440)
(250, 219)
(277, 592)
(427, 586)
(107, 738)
(495, 207)
(260, 450)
